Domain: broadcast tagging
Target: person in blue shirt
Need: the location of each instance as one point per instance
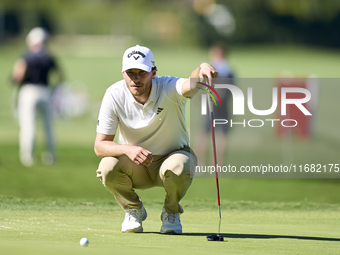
(218, 59)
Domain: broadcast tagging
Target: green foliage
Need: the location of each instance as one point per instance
(306, 10)
(177, 23)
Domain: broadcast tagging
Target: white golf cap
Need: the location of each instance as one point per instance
(138, 57)
(36, 35)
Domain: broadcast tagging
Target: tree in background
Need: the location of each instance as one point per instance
(181, 22)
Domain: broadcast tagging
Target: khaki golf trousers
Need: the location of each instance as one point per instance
(174, 172)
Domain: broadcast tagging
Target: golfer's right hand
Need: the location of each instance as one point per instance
(140, 156)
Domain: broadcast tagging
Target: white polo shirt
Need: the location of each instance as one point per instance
(158, 126)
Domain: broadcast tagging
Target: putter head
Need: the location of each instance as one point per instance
(216, 237)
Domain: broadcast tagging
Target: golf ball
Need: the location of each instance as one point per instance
(84, 242)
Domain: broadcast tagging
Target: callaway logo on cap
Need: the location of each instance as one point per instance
(138, 57)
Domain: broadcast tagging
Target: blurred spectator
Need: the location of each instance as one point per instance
(218, 60)
(32, 73)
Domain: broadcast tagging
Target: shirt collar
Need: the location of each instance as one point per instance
(153, 93)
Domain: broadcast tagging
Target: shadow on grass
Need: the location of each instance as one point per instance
(260, 236)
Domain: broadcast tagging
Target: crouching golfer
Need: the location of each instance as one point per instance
(152, 146)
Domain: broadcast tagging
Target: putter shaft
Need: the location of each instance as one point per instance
(211, 115)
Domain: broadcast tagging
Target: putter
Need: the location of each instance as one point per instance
(218, 236)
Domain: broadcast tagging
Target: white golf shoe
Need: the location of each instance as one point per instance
(133, 220)
(171, 223)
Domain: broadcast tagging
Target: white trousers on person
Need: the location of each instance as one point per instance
(174, 172)
(34, 100)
